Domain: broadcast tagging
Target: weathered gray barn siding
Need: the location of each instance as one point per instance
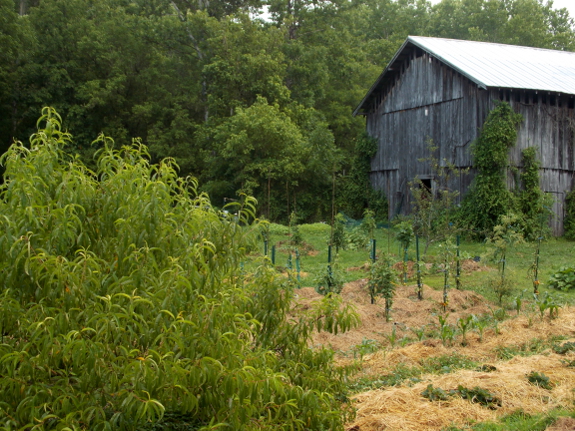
(449, 112)
(548, 121)
(430, 100)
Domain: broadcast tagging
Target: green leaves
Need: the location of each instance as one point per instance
(563, 279)
(488, 198)
(124, 303)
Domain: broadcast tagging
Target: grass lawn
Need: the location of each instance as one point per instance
(554, 253)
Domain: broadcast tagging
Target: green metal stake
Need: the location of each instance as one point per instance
(273, 254)
(458, 268)
(373, 252)
(445, 283)
(329, 253)
(289, 264)
(419, 284)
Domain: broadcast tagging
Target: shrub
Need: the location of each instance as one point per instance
(382, 282)
(125, 304)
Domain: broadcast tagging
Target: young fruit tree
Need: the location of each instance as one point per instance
(124, 303)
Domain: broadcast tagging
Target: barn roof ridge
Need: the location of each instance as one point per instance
(491, 65)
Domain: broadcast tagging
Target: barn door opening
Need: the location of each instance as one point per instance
(426, 183)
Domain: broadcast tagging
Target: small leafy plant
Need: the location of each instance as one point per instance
(446, 331)
(564, 348)
(547, 302)
(330, 281)
(480, 396)
(382, 282)
(435, 394)
(540, 379)
(564, 279)
(481, 324)
(465, 324)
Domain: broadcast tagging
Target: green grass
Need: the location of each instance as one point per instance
(402, 374)
(518, 421)
(554, 253)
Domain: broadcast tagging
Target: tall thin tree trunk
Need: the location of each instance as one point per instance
(287, 198)
(332, 205)
(269, 196)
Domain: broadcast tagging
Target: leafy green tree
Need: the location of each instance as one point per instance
(382, 282)
(17, 42)
(505, 235)
(433, 210)
(122, 291)
(515, 22)
(261, 147)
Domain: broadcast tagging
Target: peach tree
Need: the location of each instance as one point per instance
(124, 303)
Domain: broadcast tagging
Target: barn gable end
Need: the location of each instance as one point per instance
(422, 96)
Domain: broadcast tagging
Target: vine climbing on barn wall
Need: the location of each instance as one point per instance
(488, 197)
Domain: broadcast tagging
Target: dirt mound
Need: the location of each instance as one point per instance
(304, 249)
(563, 424)
(408, 313)
(467, 267)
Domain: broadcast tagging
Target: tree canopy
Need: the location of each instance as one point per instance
(183, 76)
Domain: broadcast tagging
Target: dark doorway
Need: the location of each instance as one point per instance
(427, 184)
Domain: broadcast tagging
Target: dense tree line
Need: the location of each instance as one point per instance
(245, 102)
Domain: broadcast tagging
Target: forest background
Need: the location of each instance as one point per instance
(248, 96)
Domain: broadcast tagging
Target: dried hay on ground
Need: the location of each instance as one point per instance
(562, 424)
(467, 266)
(403, 408)
(408, 312)
(513, 333)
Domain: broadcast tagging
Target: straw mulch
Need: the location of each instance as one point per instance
(563, 424)
(404, 408)
(467, 266)
(408, 312)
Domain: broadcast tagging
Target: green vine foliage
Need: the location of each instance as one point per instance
(534, 204)
(488, 197)
(569, 220)
(124, 304)
(355, 192)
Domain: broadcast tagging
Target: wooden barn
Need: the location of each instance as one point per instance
(443, 89)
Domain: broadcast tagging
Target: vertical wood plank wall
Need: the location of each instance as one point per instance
(429, 100)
